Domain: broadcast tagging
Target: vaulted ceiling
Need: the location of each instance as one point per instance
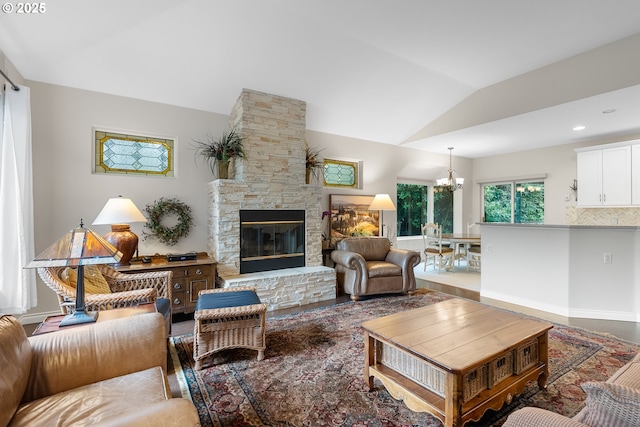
(485, 77)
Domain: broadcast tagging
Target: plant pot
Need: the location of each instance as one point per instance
(307, 176)
(223, 169)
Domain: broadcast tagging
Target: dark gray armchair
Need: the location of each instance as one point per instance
(370, 266)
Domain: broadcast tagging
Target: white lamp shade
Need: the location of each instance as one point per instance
(119, 210)
(382, 202)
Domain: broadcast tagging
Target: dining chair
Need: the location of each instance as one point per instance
(474, 252)
(442, 255)
(474, 258)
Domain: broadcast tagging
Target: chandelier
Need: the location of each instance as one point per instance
(450, 183)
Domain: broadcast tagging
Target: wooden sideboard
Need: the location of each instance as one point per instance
(189, 278)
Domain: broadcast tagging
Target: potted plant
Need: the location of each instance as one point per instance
(220, 151)
(313, 163)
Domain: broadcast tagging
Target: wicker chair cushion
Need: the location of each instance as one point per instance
(94, 281)
(163, 305)
(226, 299)
(610, 405)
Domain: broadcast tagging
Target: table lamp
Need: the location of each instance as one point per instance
(382, 202)
(119, 212)
(77, 248)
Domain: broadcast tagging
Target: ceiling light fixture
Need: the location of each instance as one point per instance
(580, 127)
(450, 183)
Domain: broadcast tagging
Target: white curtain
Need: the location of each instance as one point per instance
(17, 284)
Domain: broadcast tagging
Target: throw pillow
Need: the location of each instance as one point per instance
(94, 281)
(611, 405)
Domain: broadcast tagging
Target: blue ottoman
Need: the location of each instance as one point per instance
(228, 318)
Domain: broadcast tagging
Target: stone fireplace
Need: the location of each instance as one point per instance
(270, 178)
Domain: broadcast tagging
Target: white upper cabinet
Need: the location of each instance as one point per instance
(635, 173)
(604, 176)
(590, 178)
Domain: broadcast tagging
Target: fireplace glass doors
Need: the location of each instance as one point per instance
(271, 240)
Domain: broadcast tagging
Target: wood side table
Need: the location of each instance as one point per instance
(189, 278)
(52, 323)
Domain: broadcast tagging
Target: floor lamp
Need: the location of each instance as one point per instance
(382, 202)
(77, 248)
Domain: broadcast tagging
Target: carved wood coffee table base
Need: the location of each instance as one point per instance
(456, 359)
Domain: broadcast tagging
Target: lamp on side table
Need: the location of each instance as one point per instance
(77, 248)
(120, 212)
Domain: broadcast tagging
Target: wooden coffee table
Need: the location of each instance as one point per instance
(457, 358)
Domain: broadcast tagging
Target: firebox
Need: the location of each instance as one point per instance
(271, 240)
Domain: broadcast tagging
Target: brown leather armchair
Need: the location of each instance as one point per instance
(370, 266)
(106, 373)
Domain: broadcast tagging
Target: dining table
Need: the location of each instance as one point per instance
(461, 240)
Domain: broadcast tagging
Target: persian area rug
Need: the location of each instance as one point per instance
(312, 374)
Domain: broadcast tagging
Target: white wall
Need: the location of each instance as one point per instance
(65, 190)
(385, 165)
(561, 269)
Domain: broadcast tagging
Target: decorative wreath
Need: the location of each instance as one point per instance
(160, 208)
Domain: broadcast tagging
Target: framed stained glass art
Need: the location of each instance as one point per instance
(129, 153)
(340, 173)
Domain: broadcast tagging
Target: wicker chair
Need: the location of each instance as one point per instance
(126, 290)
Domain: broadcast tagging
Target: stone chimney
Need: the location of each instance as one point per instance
(271, 176)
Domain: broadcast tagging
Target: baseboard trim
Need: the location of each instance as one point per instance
(604, 315)
(563, 311)
(525, 302)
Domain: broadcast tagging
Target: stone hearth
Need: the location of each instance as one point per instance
(271, 176)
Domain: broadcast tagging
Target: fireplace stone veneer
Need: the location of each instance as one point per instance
(271, 176)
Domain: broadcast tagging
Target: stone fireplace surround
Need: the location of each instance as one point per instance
(270, 176)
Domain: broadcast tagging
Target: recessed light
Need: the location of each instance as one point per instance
(579, 127)
(609, 111)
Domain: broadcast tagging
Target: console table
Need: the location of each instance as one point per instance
(455, 359)
(189, 278)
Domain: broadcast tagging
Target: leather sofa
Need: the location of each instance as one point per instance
(615, 402)
(108, 373)
(370, 266)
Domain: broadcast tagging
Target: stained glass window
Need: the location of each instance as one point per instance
(338, 173)
(133, 154)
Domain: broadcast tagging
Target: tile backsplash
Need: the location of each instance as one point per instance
(602, 216)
